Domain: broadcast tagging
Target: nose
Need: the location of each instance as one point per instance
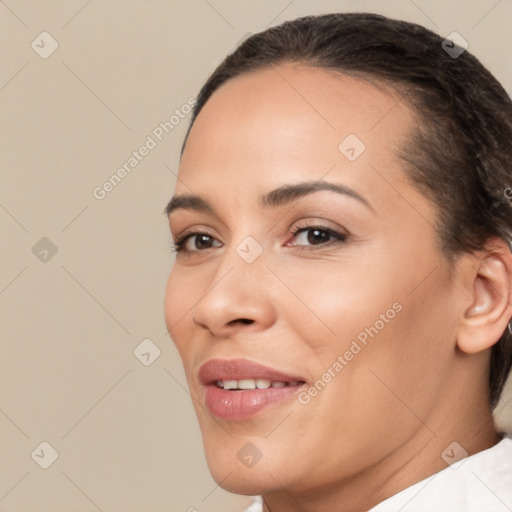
(238, 296)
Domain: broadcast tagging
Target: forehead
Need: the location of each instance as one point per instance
(293, 121)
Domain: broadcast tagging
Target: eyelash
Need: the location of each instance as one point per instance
(179, 244)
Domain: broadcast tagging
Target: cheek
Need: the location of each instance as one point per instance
(339, 303)
(392, 335)
(397, 352)
(178, 303)
(381, 364)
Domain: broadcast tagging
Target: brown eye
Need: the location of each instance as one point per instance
(317, 235)
(194, 242)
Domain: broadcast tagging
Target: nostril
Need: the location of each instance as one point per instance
(241, 320)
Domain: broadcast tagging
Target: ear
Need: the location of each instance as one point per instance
(490, 283)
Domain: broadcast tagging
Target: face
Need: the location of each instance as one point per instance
(334, 293)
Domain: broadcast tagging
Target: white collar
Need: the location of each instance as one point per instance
(479, 483)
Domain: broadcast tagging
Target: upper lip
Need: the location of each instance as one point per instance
(238, 369)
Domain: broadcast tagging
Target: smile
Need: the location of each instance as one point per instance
(239, 389)
(255, 384)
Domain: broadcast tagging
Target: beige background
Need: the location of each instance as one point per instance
(125, 433)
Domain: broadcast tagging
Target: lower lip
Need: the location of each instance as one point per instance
(239, 405)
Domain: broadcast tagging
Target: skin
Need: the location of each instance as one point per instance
(382, 423)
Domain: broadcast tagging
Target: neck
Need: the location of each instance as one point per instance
(416, 459)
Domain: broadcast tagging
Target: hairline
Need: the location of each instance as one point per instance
(400, 90)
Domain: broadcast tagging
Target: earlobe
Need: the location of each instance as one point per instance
(487, 317)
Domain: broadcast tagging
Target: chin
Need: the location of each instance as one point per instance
(249, 482)
(240, 471)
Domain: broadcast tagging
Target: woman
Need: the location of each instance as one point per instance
(342, 286)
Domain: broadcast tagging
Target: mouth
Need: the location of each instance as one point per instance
(244, 384)
(237, 389)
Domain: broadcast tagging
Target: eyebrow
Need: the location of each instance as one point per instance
(278, 197)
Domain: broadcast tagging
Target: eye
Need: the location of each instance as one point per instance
(318, 235)
(198, 241)
(189, 242)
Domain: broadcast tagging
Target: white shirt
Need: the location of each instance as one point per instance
(479, 483)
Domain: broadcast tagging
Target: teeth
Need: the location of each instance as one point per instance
(246, 384)
(253, 384)
(230, 384)
(263, 383)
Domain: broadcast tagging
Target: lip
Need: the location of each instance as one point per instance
(237, 369)
(237, 405)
